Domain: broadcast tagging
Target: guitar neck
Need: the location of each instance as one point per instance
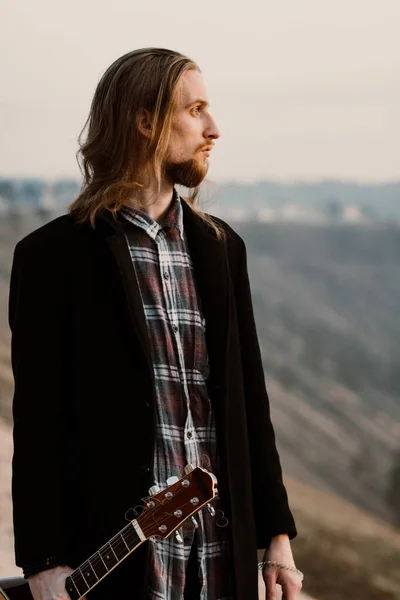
(95, 568)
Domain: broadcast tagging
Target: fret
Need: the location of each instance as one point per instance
(89, 574)
(79, 583)
(98, 565)
(105, 566)
(119, 548)
(123, 539)
(83, 577)
(108, 556)
(71, 588)
(130, 536)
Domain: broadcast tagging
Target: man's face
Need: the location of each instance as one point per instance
(192, 133)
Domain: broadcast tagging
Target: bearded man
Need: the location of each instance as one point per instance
(135, 352)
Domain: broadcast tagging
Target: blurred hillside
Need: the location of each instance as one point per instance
(327, 303)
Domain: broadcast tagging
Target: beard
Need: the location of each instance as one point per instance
(189, 173)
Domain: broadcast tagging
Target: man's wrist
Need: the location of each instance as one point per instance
(280, 537)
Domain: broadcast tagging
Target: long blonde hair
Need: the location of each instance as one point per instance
(114, 157)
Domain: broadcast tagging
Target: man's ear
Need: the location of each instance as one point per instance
(144, 122)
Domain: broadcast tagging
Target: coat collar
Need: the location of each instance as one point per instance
(211, 276)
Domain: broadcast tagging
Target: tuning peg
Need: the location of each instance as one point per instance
(154, 490)
(211, 509)
(195, 523)
(178, 537)
(188, 469)
(173, 479)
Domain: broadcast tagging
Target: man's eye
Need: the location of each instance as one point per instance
(196, 109)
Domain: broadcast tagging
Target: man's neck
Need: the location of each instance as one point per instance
(154, 203)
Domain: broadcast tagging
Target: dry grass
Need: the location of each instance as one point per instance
(343, 552)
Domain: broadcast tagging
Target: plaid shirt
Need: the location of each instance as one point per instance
(185, 425)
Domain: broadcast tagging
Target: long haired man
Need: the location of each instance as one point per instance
(135, 353)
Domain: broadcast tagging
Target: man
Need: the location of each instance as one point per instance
(135, 352)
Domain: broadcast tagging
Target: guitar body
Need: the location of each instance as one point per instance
(15, 588)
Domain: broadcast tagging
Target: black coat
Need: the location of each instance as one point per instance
(84, 397)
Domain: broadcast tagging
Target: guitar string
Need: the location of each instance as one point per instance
(117, 541)
(118, 549)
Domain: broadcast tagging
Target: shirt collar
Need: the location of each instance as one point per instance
(172, 219)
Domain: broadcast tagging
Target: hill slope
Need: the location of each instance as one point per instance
(327, 304)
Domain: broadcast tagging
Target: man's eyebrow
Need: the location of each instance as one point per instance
(198, 101)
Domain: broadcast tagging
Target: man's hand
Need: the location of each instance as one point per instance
(281, 552)
(50, 584)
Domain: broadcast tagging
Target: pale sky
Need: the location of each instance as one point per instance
(300, 89)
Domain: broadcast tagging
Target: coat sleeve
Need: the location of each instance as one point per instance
(38, 478)
(272, 512)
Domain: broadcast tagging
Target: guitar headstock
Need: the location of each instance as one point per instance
(165, 511)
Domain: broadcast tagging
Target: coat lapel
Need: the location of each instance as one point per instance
(211, 274)
(115, 238)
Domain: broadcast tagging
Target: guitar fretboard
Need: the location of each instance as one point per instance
(89, 573)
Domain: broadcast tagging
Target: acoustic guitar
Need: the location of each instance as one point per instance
(163, 513)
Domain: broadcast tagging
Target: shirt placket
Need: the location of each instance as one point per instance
(168, 277)
(189, 433)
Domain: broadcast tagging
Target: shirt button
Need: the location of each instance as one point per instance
(175, 328)
(166, 275)
(189, 435)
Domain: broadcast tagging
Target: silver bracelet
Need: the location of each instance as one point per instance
(273, 563)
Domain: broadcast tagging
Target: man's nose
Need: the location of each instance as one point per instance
(212, 129)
